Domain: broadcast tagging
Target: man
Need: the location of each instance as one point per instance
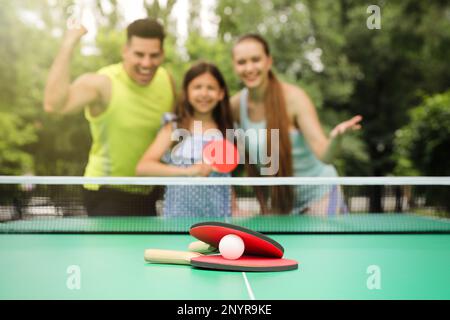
(124, 104)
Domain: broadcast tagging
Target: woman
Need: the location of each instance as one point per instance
(304, 149)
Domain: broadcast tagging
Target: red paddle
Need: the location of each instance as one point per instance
(256, 244)
(222, 155)
(244, 263)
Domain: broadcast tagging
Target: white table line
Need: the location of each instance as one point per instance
(249, 288)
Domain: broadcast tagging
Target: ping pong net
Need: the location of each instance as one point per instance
(270, 205)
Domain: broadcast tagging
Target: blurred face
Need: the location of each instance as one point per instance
(251, 63)
(141, 59)
(204, 92)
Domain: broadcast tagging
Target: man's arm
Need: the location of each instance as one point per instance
(60, 95)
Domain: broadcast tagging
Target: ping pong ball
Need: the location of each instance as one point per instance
(231, 247)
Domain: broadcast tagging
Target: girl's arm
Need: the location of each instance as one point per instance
(151, 165)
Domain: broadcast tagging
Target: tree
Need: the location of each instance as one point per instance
(17, 130)
(155, 10)
(423, 144)
(396, 66)
(15, 135)
(34, 142)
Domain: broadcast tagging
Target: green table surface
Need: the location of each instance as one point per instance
(111, 266)
(353, 223)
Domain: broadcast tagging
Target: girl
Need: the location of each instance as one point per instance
(202, 115)
(304, 149)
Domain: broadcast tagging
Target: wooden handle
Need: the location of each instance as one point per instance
(201, 247)
(169, 256)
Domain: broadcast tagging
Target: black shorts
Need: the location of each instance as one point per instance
(113, 202)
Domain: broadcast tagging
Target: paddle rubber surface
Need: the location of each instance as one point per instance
(244, 263)
(256, 244)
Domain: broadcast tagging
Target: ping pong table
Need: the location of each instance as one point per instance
(98, 258)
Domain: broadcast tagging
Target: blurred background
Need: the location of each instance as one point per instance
(397, 77)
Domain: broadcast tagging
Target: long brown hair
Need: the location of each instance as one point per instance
(276, 118)
(221, 113)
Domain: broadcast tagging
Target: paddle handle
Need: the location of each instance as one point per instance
(169, 256)
(201, 247)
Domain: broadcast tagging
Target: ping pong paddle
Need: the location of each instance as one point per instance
(222, 155)
(217, 262)
(256, 244)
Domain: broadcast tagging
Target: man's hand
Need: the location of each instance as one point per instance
(74, 34)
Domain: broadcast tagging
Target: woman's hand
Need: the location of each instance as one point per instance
(341, 128)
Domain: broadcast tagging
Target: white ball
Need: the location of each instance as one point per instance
(231, 247)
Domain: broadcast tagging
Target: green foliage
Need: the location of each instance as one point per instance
(63, 146)
(396, 68)
(337, 80)
(155, 10)
(174, 62)
(15, 136)
(422, 146)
